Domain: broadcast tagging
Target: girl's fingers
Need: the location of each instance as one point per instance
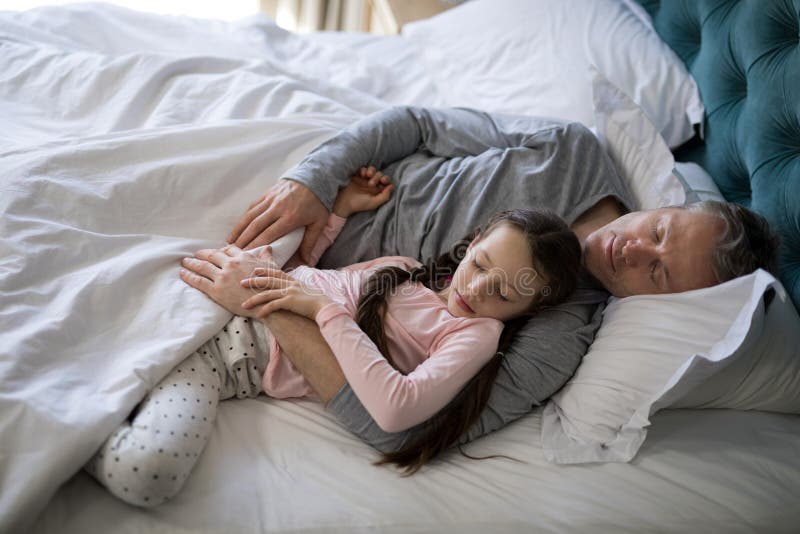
(275, 305)
(386, 194)
(196, 281)
(266, 252)
(212, 255)
(263, 298)
(201, 267)
(231, 250)
(269, 272)
(260, 283)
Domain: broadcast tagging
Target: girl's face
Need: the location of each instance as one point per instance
(496, 278)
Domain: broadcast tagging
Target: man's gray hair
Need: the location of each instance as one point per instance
(747, 242)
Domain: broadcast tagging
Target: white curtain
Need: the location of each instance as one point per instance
(316, 15)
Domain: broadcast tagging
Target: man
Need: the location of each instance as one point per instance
(452, 169)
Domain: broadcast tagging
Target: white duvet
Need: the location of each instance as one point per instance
(113, 167)
(128, 141)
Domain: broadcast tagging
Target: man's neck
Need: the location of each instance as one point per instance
(602, 213)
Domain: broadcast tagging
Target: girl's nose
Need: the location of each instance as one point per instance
(476, 287)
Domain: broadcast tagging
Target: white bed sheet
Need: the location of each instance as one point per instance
(279, 466)
(128, 141)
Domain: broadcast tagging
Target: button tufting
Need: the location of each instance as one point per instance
(747, 72)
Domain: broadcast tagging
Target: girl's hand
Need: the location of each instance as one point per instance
(279, 291)
(367, 190)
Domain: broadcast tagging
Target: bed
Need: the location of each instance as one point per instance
(130, 140)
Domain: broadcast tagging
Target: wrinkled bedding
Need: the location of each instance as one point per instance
(128, 141)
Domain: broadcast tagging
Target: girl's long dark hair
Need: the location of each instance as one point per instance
(556, 253)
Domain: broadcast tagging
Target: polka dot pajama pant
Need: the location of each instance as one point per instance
(147, 460)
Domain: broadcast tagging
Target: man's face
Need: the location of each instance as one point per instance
(666, 250)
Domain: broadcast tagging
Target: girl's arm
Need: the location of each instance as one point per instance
(368, 190)
(326, 238)
(396, 401)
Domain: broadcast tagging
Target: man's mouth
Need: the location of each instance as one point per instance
(610, 253)
(463, 303)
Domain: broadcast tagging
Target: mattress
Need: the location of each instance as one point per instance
(278, 466)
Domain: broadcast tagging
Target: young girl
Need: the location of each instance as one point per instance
(416, 342)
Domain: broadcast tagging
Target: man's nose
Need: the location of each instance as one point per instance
(637, 253)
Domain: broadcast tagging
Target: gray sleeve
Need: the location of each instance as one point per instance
(388, 136)
(543, 357)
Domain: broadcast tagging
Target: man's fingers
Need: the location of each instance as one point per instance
(252, 235)
(309, 239)
(250, 213)
(256, 202)
(278, 228)
(256, 208)
(196, 281)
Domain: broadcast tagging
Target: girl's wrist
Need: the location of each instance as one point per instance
(323, 301)
(341, 209)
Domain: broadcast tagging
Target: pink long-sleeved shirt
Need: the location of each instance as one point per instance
(436, 351)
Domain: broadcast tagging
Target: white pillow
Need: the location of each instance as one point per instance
(532, 57)
(655, 350)
(762, 374)
(637, 149)
(697, 183)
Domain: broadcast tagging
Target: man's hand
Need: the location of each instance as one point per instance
(285, 206)
(218, 273)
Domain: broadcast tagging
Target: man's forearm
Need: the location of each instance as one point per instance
(302, 342)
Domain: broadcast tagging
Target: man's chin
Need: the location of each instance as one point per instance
(595, 281)
(607, 285)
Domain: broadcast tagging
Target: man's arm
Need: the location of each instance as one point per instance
(301, 341)
(377, 141)
(393, 134)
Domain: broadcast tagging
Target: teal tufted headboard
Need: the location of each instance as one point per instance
(745, 57)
